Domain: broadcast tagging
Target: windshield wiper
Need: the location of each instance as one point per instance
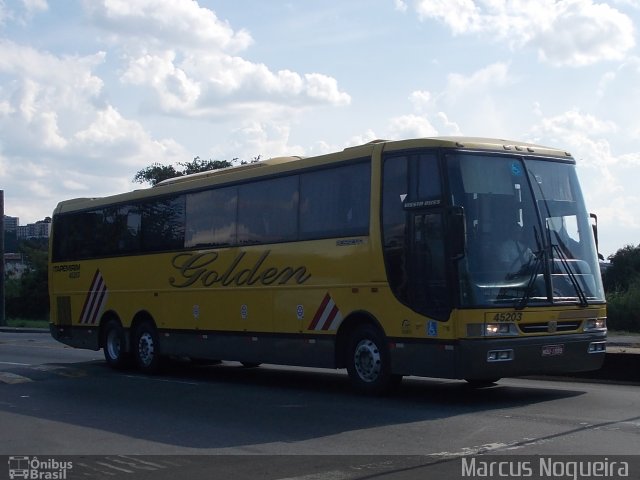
(537, 262)
(572, 276)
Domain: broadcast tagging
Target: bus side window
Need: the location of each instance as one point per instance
(268, 211)
(335, 202)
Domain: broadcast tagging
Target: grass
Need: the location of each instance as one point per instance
(27, 323)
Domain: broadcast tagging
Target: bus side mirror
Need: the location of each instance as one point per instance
(457, 232)
(594, 226)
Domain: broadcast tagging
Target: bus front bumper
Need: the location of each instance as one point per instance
(496, 358)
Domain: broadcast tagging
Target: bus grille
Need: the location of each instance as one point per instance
(64, 310)
(543, 327)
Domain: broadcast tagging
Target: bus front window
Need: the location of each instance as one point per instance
(514, 256)
(574, 269)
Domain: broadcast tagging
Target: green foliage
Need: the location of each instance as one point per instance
(28, 323)
(198, 165)
(156, 173)
(623, 308)
(622, 286)
(624, 269)
(27, 296)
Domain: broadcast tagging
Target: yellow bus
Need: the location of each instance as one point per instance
(451, 257)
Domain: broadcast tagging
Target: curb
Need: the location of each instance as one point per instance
(623, 344)
(633, 342)
(23, 330)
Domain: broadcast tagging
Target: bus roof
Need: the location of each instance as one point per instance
(282, 164)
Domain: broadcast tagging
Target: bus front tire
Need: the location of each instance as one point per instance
(114, 345)
(368, 362)
(146, 348)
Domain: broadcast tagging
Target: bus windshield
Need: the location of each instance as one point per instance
(528, 236)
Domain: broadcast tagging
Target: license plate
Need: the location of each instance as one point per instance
(550, 350)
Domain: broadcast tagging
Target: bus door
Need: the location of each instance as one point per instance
(426, 262)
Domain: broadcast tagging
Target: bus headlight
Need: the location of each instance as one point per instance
(491, 329)
(595, 324)
(495, 329)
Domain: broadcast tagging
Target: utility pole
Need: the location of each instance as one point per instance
(3, 320)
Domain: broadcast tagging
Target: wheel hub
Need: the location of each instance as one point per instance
(367, 360)
(146, 349)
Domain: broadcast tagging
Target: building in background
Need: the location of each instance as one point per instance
(40, 229)
(11, 223)
(14, 232)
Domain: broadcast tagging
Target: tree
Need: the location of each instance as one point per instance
(624, 269)
(156, 173)
(622, 285)
(27, 296)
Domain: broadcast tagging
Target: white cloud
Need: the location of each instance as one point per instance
(21, 13)
(325, 89)
(574, 122)
(59, 134)
(400, 5)
(264, 139)
(451, 128)
(420, 99)
(408, 126)
(479, 82)
(35, 6)
(565, 32)
(474, 99)
(461, 16)
(628, 3)
(166, 23)
(368, 136)
(470, 97)
(605, 81)
(608, 179)
(585, 33)
(187, 58)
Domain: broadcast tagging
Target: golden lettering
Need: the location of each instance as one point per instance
(204, 268)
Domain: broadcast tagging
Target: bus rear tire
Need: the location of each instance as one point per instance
(368, 361)
(146, 352)
(114, 345)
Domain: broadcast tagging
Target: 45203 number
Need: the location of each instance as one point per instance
(507, 317)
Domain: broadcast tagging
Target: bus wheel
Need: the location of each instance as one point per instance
(114, 345)
(145, 348)
(368, 361)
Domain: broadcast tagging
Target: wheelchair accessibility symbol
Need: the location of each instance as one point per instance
(432, 328)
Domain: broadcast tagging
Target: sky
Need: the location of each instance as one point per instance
(91, 91)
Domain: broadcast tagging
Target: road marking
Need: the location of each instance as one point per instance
(62, 371)
(124, 470)
(15, 363)
(8, 377)
(123, 464)
(489, 448)
(331, 475)
(142, 377)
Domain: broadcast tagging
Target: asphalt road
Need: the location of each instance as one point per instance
(295, 423)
